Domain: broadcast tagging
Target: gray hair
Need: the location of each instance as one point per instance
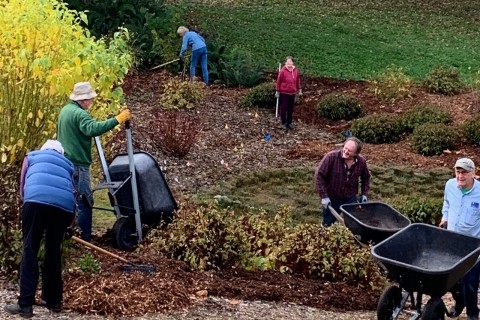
(182, 30)
(357, 141)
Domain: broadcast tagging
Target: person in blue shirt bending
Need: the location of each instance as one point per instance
(461, 213)
(196, 42)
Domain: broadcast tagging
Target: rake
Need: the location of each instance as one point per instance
(129, 266)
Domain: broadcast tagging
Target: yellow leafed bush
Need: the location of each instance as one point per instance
(43, 52)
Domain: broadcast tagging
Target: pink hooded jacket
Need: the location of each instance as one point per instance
(288, 82)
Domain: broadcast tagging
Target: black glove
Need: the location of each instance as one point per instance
(69, 233)
(180, 59)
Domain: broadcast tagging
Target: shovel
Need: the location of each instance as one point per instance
(129, 266)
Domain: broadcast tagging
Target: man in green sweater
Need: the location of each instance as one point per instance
(75, 131)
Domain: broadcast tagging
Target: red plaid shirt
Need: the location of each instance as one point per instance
(334, 180)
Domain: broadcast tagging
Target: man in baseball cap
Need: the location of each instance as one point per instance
(461, 213)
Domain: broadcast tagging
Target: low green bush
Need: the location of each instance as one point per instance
(422, 114)
(432, 138)
(181, 94)
(377, 128)
(444, 80)
(391, 84)
(472, 130)
(329, 253)
(240, 69)
(336, 106)
(262, 96)
(420, 209)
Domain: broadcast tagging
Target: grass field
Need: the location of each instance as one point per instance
(349, 38)
(294, 187)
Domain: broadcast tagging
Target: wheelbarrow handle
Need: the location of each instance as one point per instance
(336, 214)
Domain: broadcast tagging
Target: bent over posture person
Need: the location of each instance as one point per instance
(461, 213)
(193, 40)
(47, 192)
(338, 175)
(75, 131)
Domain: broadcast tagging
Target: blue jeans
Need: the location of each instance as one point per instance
(81, 180)
(328, 217)
(199, 54)
(465, 294)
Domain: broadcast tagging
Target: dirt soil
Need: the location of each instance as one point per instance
(232, 141)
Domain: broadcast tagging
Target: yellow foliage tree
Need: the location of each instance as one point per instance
(43, 53)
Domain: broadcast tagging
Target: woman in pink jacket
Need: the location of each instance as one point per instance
(288, 86)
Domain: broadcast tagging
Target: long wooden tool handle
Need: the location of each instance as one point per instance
(336, 215)
(94, 247)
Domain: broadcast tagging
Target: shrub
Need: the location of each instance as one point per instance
(43, 52)
(181, 94)
(174, 132)
(444, 80)
(239, 69)
(150, 23)
(432, 138)
(377, 128)
(262, 96)
(420, 209)
(88, 264)
(424, 114)
(472, 130)
(329, 253)
(391, 84)
(216, 55)
(336, 106)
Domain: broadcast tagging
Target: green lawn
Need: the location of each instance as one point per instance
(293, 187)
(349, 38)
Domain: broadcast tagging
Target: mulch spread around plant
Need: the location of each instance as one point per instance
(232, 141)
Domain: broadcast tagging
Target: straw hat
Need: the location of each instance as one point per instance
(82, 91)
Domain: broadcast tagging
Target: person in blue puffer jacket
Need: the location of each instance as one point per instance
(47, 192)
(193, 40)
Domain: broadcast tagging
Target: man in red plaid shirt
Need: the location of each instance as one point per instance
(338, 175)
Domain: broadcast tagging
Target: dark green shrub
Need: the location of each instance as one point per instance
(152, 25)
(240, 69)
(424, 114)
(391, 84)
(420, 209)
(432, 138)
(377, 128)
(336, 106)
(444, 80)
(472, 130)
(216, 56)
(262, 96)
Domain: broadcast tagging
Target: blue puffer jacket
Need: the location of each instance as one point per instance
(48, 180)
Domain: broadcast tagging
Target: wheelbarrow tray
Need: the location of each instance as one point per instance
(427, 259)
(373, 221)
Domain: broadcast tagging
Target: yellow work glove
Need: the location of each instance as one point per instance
(123, 116)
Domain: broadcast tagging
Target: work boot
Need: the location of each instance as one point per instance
(55, 307)
(472, 317)
(24, 312)
(290, 126)
(284, 126)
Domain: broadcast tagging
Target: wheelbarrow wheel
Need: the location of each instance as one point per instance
(125, 234)
(388, 302)
(434, 310)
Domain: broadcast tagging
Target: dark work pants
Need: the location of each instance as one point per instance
(465, 293)
(39, 219)
(328, 217)
(286, 102)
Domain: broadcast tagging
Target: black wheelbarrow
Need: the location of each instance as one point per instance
(138, 192)
(423, 259)
(371, 222)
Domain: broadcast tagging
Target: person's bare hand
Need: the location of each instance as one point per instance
(443, 224)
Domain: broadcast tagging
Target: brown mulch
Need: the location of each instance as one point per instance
(231, 143)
